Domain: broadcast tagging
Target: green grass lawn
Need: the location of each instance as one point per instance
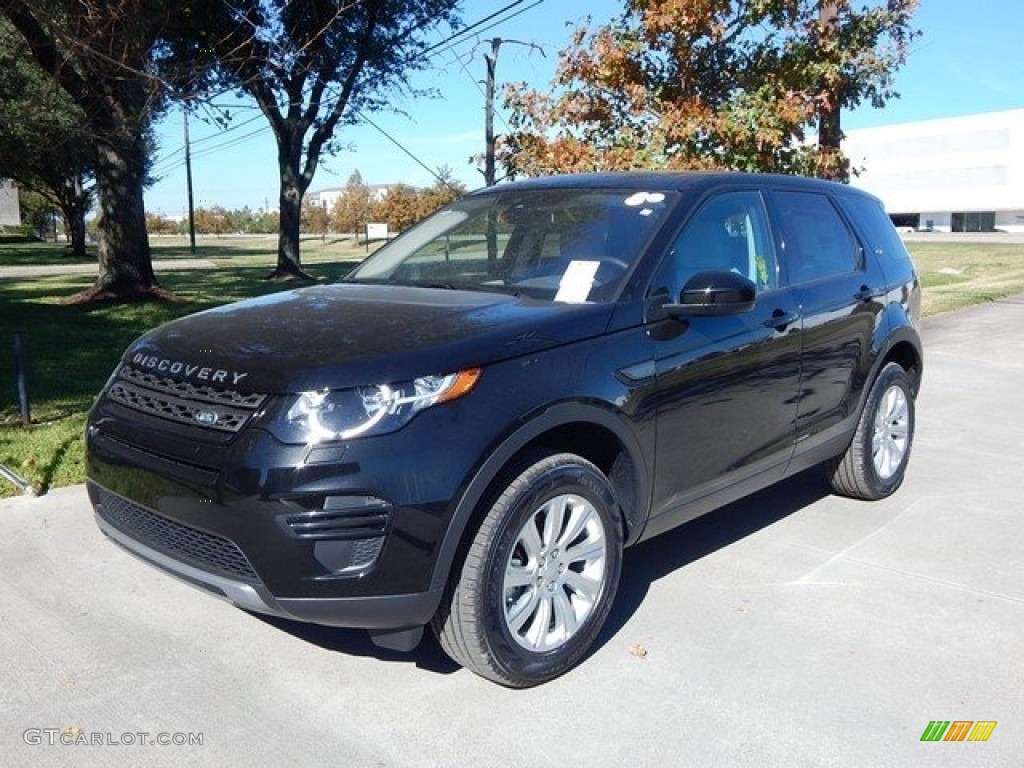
(73, 348)
(18, 254)
(957, 275)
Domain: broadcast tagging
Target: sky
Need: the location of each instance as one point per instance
(968, 60)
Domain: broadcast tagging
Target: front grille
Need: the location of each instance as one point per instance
(206, 551)
(226, 410)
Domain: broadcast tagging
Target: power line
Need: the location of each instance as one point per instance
(466, 30)
(212, 150)
(511, 16)
(398, 144)
(446, 44)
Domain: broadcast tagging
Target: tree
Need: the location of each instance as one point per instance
(312, 65)
(315, 219)
(213, 221)
(157, 224)
(37, 212)
(444, 190)
(102, 54)
(266, 223)
(710, 84)
(42, 145)
(400, 208)
(351, 210)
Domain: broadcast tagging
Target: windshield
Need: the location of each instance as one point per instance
(568, 245)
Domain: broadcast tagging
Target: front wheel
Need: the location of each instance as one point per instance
(874, 464)
(539, 577)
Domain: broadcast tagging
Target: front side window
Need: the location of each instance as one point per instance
(567, 245)
(818, 244)
(728, 234)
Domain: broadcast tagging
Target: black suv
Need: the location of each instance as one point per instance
(467, 429)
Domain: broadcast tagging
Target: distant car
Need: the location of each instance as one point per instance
(468, 429)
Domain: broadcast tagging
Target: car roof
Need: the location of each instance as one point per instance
(693, 181)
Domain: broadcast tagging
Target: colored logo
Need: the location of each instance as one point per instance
(958, 730)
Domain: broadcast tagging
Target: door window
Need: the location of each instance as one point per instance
(729, 233)
(818, 243)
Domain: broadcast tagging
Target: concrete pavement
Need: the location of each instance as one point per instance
(794, 628)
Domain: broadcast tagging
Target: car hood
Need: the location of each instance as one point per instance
(345, 335)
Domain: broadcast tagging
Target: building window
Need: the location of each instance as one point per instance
(974, 221)
(905, 221)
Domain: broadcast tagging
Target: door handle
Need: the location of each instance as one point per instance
(867, 294)
(781, 318)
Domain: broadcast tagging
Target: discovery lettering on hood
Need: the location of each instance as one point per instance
(190, 370)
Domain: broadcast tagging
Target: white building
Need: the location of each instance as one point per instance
(10, 211)
(326, 198)
(957, 174)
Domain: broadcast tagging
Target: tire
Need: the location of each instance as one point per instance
(539, 577)
(874, 464)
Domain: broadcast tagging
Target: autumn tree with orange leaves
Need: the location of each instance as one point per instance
(711, 84)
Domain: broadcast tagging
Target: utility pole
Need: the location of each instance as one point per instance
(492, 61)
(188, 181)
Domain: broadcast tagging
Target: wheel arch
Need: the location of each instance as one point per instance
(588, 430)
(904, 348)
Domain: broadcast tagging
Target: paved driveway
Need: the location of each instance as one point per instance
(791, 629)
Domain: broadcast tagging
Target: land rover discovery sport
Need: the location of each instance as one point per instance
(467, 430)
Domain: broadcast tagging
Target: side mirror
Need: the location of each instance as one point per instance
(714, 293)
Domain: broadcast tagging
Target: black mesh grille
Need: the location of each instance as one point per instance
(365, 552)
(181, 401)
(191, 391)
(206, 551)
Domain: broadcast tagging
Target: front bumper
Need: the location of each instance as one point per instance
(385, 612)
(344, 536)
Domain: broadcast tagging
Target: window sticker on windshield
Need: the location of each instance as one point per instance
(575, 285)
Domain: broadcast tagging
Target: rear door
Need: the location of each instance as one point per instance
(838, 293)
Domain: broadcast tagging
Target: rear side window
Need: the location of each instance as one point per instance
(875, 227)
(818, 243)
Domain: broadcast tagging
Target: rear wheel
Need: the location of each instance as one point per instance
(539, 577)
(874, 464)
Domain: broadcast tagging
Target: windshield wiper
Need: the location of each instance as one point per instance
(446, 286)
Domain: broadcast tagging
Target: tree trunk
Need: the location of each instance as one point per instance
(289, 263)
(830, 130)
(76, 228)
(75, 245)
(80, 203)
(125, 262)
(74, 203)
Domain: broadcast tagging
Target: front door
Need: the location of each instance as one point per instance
(725, 387)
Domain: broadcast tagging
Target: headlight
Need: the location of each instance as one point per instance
(341, 414)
